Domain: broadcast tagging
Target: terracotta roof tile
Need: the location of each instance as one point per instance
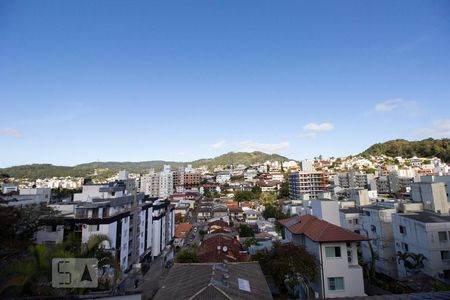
(319, 230)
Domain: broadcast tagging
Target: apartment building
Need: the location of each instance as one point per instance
(27, 196)
(186, 179)
(149, 184)
(165, 182)
(350, 219)
(323, 209)
(376, 224)
(353, 179)
(311, 183)
(116, 210)
(426, 233)
(335, 248)
(223, 177)
(433, 195)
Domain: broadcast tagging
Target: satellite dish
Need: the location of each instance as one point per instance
(225, 248)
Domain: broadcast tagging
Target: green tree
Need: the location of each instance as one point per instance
(243, 196)
(31, 275)
(288, 264)
(250, 242)
(256, 190)
(187, 256)
(283, 193)
(272, 211)
(246, 231)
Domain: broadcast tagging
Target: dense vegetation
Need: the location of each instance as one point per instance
(106, 169)
(289, 265)
(424, 148)
(235, 158)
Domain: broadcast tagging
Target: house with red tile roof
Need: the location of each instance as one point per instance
(182, 231)
(220, 247)
(336, 251)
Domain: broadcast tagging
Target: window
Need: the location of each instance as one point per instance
(336, 283)
(442, 236)
(93, 228)
(350, 222)
(402, 229)
(445, 255)
(373, 228)
(333, 251)
(356, 221)
(405, 247)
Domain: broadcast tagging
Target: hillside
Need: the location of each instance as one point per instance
(235, 158)
(424, 148)
(105, 169)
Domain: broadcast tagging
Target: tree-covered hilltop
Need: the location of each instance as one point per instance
(424, 148)
(102, 170)
(235, 158)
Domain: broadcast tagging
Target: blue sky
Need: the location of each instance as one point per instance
(82, 81)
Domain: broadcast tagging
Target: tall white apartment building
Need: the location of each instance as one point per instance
(156, 184)
(150, 184)
(116, 210)
(165, 182)
(376, 223)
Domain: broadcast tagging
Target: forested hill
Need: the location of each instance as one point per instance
(424, 148)
(105, 169)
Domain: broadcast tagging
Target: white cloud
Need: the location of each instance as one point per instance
(388, 105)
(11, 132)
(439, 128)
(250, 146)
(317, 127)
(181, 153)
(219, 145)
(410, 107)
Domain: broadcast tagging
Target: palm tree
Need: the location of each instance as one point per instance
(413, 262)
(96, 248)
(30, 276)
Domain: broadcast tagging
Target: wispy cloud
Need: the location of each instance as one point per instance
(410, 107)
(317, 127)
(181, 153)
(219, 145)
(440, 128)
(250, 146)
(388, 105)
(311, 130)
(11, 132)
(412, 44)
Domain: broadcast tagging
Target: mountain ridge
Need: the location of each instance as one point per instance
(400, 147)
(35, 171)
